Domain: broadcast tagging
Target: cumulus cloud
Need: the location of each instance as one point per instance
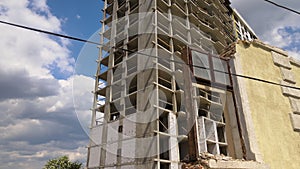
(18, 84)
(273, 25)
(28, 13)
(35, 52)
(38, 118)
(50, 121)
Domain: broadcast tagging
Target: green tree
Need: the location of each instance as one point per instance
(62, 163)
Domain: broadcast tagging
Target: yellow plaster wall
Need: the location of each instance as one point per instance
(277, 142)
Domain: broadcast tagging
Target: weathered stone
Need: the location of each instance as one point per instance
(281, 60)
(206, 155)
(219, 157)
(192, 166)
(296, 122)
(226, 158)
(236, 165)
(295, 62)
(288, 75)
(222, 162)
(295, 103)
(204, 162)
(288, 90)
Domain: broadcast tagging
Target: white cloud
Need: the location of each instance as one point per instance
(83, 98)
(78, 16)
(20, 12)
(33, 51)
(271, 23)
(295, 54)
(47, 121)
(37, 113)
(38, 121)
(40, 5)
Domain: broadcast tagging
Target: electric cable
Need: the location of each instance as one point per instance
(47, 32)
(283, 7)
(170, 60)
(201, 67)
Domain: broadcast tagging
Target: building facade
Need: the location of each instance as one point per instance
(139, 125)
(164, 93)
(267, 91)
(271, 110)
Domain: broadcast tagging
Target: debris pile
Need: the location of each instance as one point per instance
(203, 161)
(192, 166)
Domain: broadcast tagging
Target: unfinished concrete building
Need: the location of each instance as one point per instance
(158, 102)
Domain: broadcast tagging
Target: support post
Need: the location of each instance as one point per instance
(189, 103)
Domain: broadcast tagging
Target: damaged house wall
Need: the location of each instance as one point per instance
(270, 110)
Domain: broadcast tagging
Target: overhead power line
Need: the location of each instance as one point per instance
(49, 33)
(284, 7)
(170, 60)
(219, 71)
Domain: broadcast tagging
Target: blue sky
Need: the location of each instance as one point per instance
(273, 25)
(82, 20)
(44, 107)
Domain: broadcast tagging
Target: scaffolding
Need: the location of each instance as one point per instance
(139, 114)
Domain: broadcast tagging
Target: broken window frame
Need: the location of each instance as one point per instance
(187, 57)
(211, 69)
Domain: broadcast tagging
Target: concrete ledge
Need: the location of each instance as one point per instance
(269, 47)
(287, 91)
(281, 60)
(288, 75)
(296, 122)
(295, 62)
(295, 103)
(213, 164)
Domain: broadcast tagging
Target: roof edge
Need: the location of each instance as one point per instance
(294, 61)
(268, 47)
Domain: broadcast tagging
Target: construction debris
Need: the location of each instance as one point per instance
(203, 161)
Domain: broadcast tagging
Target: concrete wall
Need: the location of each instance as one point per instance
(270, 110)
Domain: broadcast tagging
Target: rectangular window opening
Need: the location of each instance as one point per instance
(164, 147)
(131, 104)
(163, 122)
(117, 73)
(115, 108)
(211, 122)
(120, 129)
(164, 165)
(221, 134)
